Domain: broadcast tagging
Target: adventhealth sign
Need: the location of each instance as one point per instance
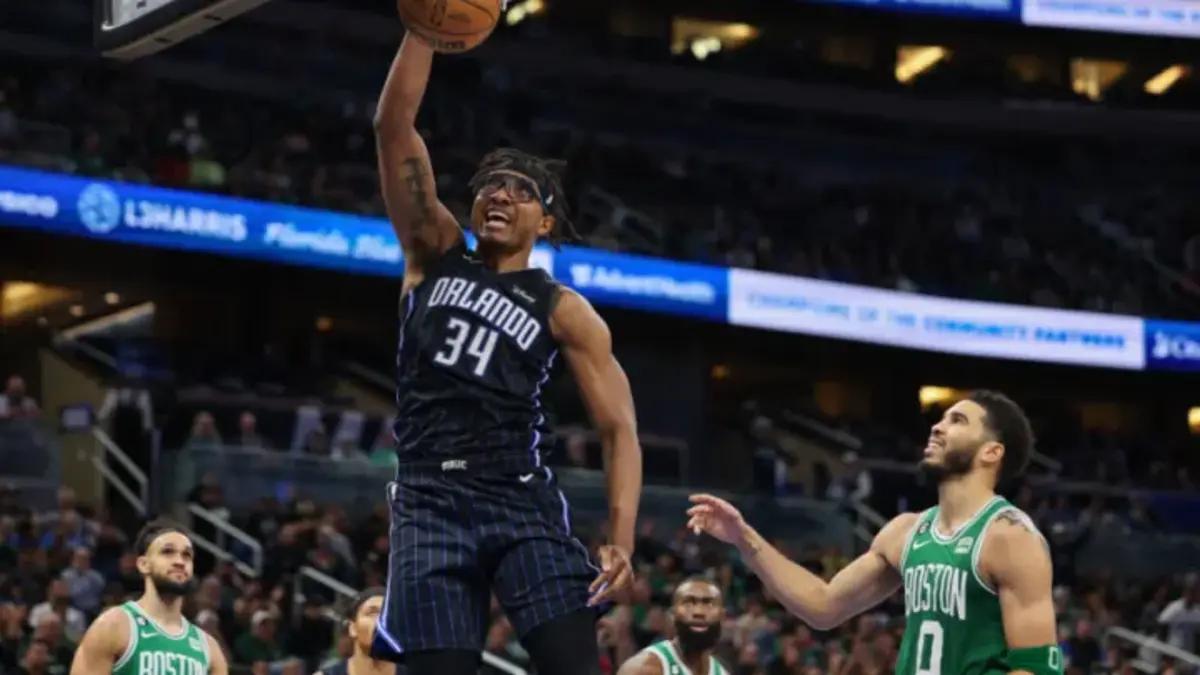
(177, 219)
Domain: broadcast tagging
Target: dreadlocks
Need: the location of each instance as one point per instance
(547, 173)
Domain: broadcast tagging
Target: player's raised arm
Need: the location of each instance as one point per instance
(862, 584)
(103, 644)
(423, 224)
(587, 345)
(1016, 560)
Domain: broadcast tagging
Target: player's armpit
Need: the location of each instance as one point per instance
(642, 664)
(1016, 562)
(586, 344)
(102, 645)
(217, 663)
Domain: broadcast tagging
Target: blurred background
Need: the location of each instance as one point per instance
(811, 227)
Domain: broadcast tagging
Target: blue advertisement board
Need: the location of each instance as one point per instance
(176, 219)
(1172, 345)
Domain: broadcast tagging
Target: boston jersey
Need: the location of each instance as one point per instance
(474, 354)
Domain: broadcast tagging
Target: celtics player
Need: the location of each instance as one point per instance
(697, 611)
(150, 636)
(976, 573)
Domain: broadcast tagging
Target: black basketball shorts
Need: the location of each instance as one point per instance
(458, 535)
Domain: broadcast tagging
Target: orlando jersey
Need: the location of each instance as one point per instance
(475, 352)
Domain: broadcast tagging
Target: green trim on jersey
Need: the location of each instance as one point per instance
(673, 664)
(953, 619)
(154, 651)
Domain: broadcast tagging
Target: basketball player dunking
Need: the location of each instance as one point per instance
(150, 636)
(474, 509)
(975, 571)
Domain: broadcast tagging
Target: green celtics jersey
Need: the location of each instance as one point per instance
(953, 622)
(672, 663)
(154, 651)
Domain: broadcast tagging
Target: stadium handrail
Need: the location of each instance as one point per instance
(224, 527)
(106, 447)
(343, 589)
(1152, 644)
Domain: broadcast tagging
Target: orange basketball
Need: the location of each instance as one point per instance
(450, 26)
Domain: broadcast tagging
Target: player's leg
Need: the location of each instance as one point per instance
(541, 572)
(436, 602)
(443, 662)
(565, 645)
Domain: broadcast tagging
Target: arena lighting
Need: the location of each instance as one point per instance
(704, 46)
(112, 298)
(931, 395)
(1160, 83)
(912, 61)
(520, 11)
(1091, 78)
(77, 310)
(324, 324)
(1194, 420)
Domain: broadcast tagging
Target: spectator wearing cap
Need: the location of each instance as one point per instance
(58, 604)
(261, 642)
(14, 403)
(85, 584)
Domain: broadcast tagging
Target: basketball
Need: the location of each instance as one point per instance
(450, 26)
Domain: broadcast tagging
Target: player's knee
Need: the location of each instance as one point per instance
(566, 645)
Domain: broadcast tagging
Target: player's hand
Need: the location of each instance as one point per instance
(616, 574)
(716, 517)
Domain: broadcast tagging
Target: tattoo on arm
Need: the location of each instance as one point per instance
(414, 180)
(1017, 519)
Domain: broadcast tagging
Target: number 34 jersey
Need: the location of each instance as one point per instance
(475, 352)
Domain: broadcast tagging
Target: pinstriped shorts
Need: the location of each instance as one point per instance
(457, 537)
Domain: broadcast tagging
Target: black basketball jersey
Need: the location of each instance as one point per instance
(475, 352)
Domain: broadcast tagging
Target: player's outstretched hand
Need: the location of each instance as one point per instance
(616, 574)
(717, 517)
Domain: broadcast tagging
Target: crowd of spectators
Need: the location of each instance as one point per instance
(61, 567)
(909, 209)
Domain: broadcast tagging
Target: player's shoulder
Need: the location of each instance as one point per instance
(1012, 528)
(573, 315)
(644, 662)
(892, 538)
(113, 629)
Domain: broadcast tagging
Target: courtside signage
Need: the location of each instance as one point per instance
(844, 311)
(645, 283)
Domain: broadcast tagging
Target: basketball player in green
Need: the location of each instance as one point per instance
(697, 611)
(150, 636)
(975, 572)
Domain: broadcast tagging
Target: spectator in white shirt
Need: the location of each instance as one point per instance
(1182, 618)
(58, 602)
(86, 584)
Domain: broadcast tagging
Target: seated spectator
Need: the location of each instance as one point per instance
(84, 583)
(14, 403)
(261, 642)
(248, 437)
(71, 622)
(48, 629)
(204, 434)
(37, 660)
